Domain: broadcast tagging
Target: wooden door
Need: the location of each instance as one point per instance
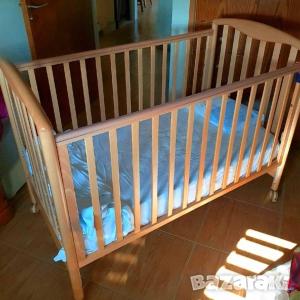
(57, 27)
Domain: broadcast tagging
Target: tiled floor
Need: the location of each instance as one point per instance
(158, 266)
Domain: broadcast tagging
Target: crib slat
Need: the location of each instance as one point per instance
(114, 84)
(196, 66)
(187, 161)
(268, 128)
(173, 130)
(234, 53)
(127, 80)
(54, 98)
(232, 137)
(275, 57)
(292, 56)
(155, 124)
(260, 57)
(245, 134)
(33, 83)
(203, 150)
(218, 145)
(71, 199)
(114, 157)
(209, 59)
(246, 58)
(86, 94)
(140, 78)
(91, 164)
(100, 87)
(187, 63)
(174, 70)
(263, 104)
(222, 55)
(164, 74)
(152, 79)
(136, 174)
(70, 95)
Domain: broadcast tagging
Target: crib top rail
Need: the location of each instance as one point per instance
(260, 31)
(98, 128)
(111, 50)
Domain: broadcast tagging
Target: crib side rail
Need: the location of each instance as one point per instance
(88, 87)
(269, 88)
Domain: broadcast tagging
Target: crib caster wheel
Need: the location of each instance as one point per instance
(272, 196)
(34, 209)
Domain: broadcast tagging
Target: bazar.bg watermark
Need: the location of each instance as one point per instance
(238, 282)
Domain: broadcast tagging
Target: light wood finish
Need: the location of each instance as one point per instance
(174, 71)
(275, 56)
(100, 87)
(246, 58)
(222, 55)
(187, 64)
(114, 84)
(164, 74)
(152, 79)
(33, 83)
(260, 57)
(196, 66)
(234, 55)
(140, 78)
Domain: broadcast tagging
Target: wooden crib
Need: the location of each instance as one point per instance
(56, 102)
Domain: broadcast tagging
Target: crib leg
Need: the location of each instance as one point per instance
(76, 282)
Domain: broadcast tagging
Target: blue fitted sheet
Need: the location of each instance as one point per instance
(103, 168)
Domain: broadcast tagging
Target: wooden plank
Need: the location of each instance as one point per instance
(154, 167)
(196, 66)
(114, 84)
(96, 201)
(264, 102)
(136, 175)
(218, 145)
(203, 150)
(275, 57)
(152, 74)
(232, 137)
(70, 95)
(187, 160)
(54, 98)
(86, 94)
(187, 64)
(164, 74)
(100, 87)
(33, 84)
(140, 79)
(173, 131)
(222, 56)
(174, 71)
(245, 133)
(128, 82)
(260, 58)
(245, 63)
(114, 157)
(292, 56)
(234, 55)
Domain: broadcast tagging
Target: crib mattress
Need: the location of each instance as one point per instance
(103, 167)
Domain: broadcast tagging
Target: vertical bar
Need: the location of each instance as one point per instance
(270, 120)
(86, 95)
(91, 164)
(140, 78)
(234, 53)
(100, 87)
(222, 55)
(263, 104)
(209, 59)
(292, 56)
(155, 124)
(164, 74)
(54, 98)
(260, 58)
(275, 57)
(127, 80)
(196, 66)
(232, 137)
(173, 130)
(203, 149)
(136, 174)
(70, 95)
(114, 157)
(187, 64)
(33, 83)
(245, 134)
(174, 70)
(246, 58)
(218, 145)
(152, 74)
(67, 178)
(114, 84)
(187, 160)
